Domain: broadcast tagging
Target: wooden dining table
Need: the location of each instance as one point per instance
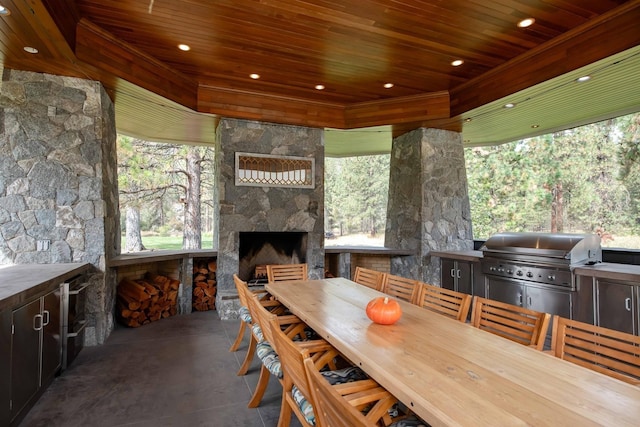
(452, 374)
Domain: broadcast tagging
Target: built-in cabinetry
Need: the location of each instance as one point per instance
(610, 296)
(460, 271)
(36, 348)
(548, 299)
(31, 333)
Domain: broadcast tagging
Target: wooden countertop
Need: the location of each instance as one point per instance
(160, 255)
(21, 283)
(374, 250)
(461, 255)
(452, 374)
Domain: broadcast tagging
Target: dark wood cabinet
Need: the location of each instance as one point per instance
(461, 276)
(36, 350)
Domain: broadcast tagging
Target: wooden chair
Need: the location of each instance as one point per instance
(341, 406)
(282, 272)
(291, 325)
(444, 301)
(401, 288)
(613, 353)
(370, 278)
(246, 320)
(516, 323)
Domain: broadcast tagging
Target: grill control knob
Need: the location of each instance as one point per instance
(529, 274)
(519, 272)
(551, 277)
(509, 271)
(492, 269)
(501, 270)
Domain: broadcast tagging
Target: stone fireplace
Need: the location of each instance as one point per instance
(258, 249)
(265, 209)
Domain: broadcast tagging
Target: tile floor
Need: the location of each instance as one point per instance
(173, 372)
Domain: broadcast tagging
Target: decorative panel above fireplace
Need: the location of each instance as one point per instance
(265, 170)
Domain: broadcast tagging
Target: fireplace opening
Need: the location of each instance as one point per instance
(258, 249)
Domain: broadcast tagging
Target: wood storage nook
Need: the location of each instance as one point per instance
(204, 285)
(146, 300)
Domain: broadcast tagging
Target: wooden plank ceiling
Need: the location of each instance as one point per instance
(351, 48)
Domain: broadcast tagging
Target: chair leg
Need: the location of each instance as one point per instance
(285, 410)
(261, 387)
(236, 343)
(251, 351)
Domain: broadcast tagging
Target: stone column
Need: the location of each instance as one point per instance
(242, 208)
(428, 206)
(58, 182)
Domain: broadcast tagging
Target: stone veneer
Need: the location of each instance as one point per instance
(243, 208)
(58, 182)
(428, 206)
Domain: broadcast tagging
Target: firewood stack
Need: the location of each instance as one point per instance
(204, 285)
(146, 300)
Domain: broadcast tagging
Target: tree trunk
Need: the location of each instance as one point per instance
(557, 208)
(192, 238)
(134, 239)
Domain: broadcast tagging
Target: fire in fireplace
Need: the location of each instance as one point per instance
(258, 249)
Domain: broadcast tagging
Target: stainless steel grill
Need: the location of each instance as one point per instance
(547, 258)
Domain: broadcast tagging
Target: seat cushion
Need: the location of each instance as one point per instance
(410, 421)
(257, 331)
(244, 314)
(269, 358)
(340, 376)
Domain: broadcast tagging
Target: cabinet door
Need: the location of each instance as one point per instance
(51, 339)
(447, 274)
(616, 306)
(552, 301)
(464, 276)
(25, 350)
(505, 291)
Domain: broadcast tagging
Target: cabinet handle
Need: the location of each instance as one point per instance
(458, 274)
(453, 273)
(520, 299)
(35, 319)
(627, 304)
(46, 318)
(529, 301)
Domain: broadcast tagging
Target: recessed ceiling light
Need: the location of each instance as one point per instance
(526, 22)
(509, 105)
(388, 85)
(4, 11)
(535, 126)
(457, 62)
(30, 49)
(320, 87)
(254, 76)
(583, 79)
(184, 47)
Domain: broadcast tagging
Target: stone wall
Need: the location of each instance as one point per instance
(428, 206)
(58, 182)
(243, 208)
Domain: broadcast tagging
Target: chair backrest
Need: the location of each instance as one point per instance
(401, 288)
(370, 278)
(261, 316)
(444, 301)
(613, 353)
(330, 408)
(510, 321)
(281, 272)
(241, 286)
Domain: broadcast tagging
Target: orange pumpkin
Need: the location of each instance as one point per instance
(384, 311)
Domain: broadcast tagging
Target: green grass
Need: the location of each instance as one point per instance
(169, 242)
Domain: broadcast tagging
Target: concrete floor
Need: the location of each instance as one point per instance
(173, 372)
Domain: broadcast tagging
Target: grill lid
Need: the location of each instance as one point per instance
(576, 248)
